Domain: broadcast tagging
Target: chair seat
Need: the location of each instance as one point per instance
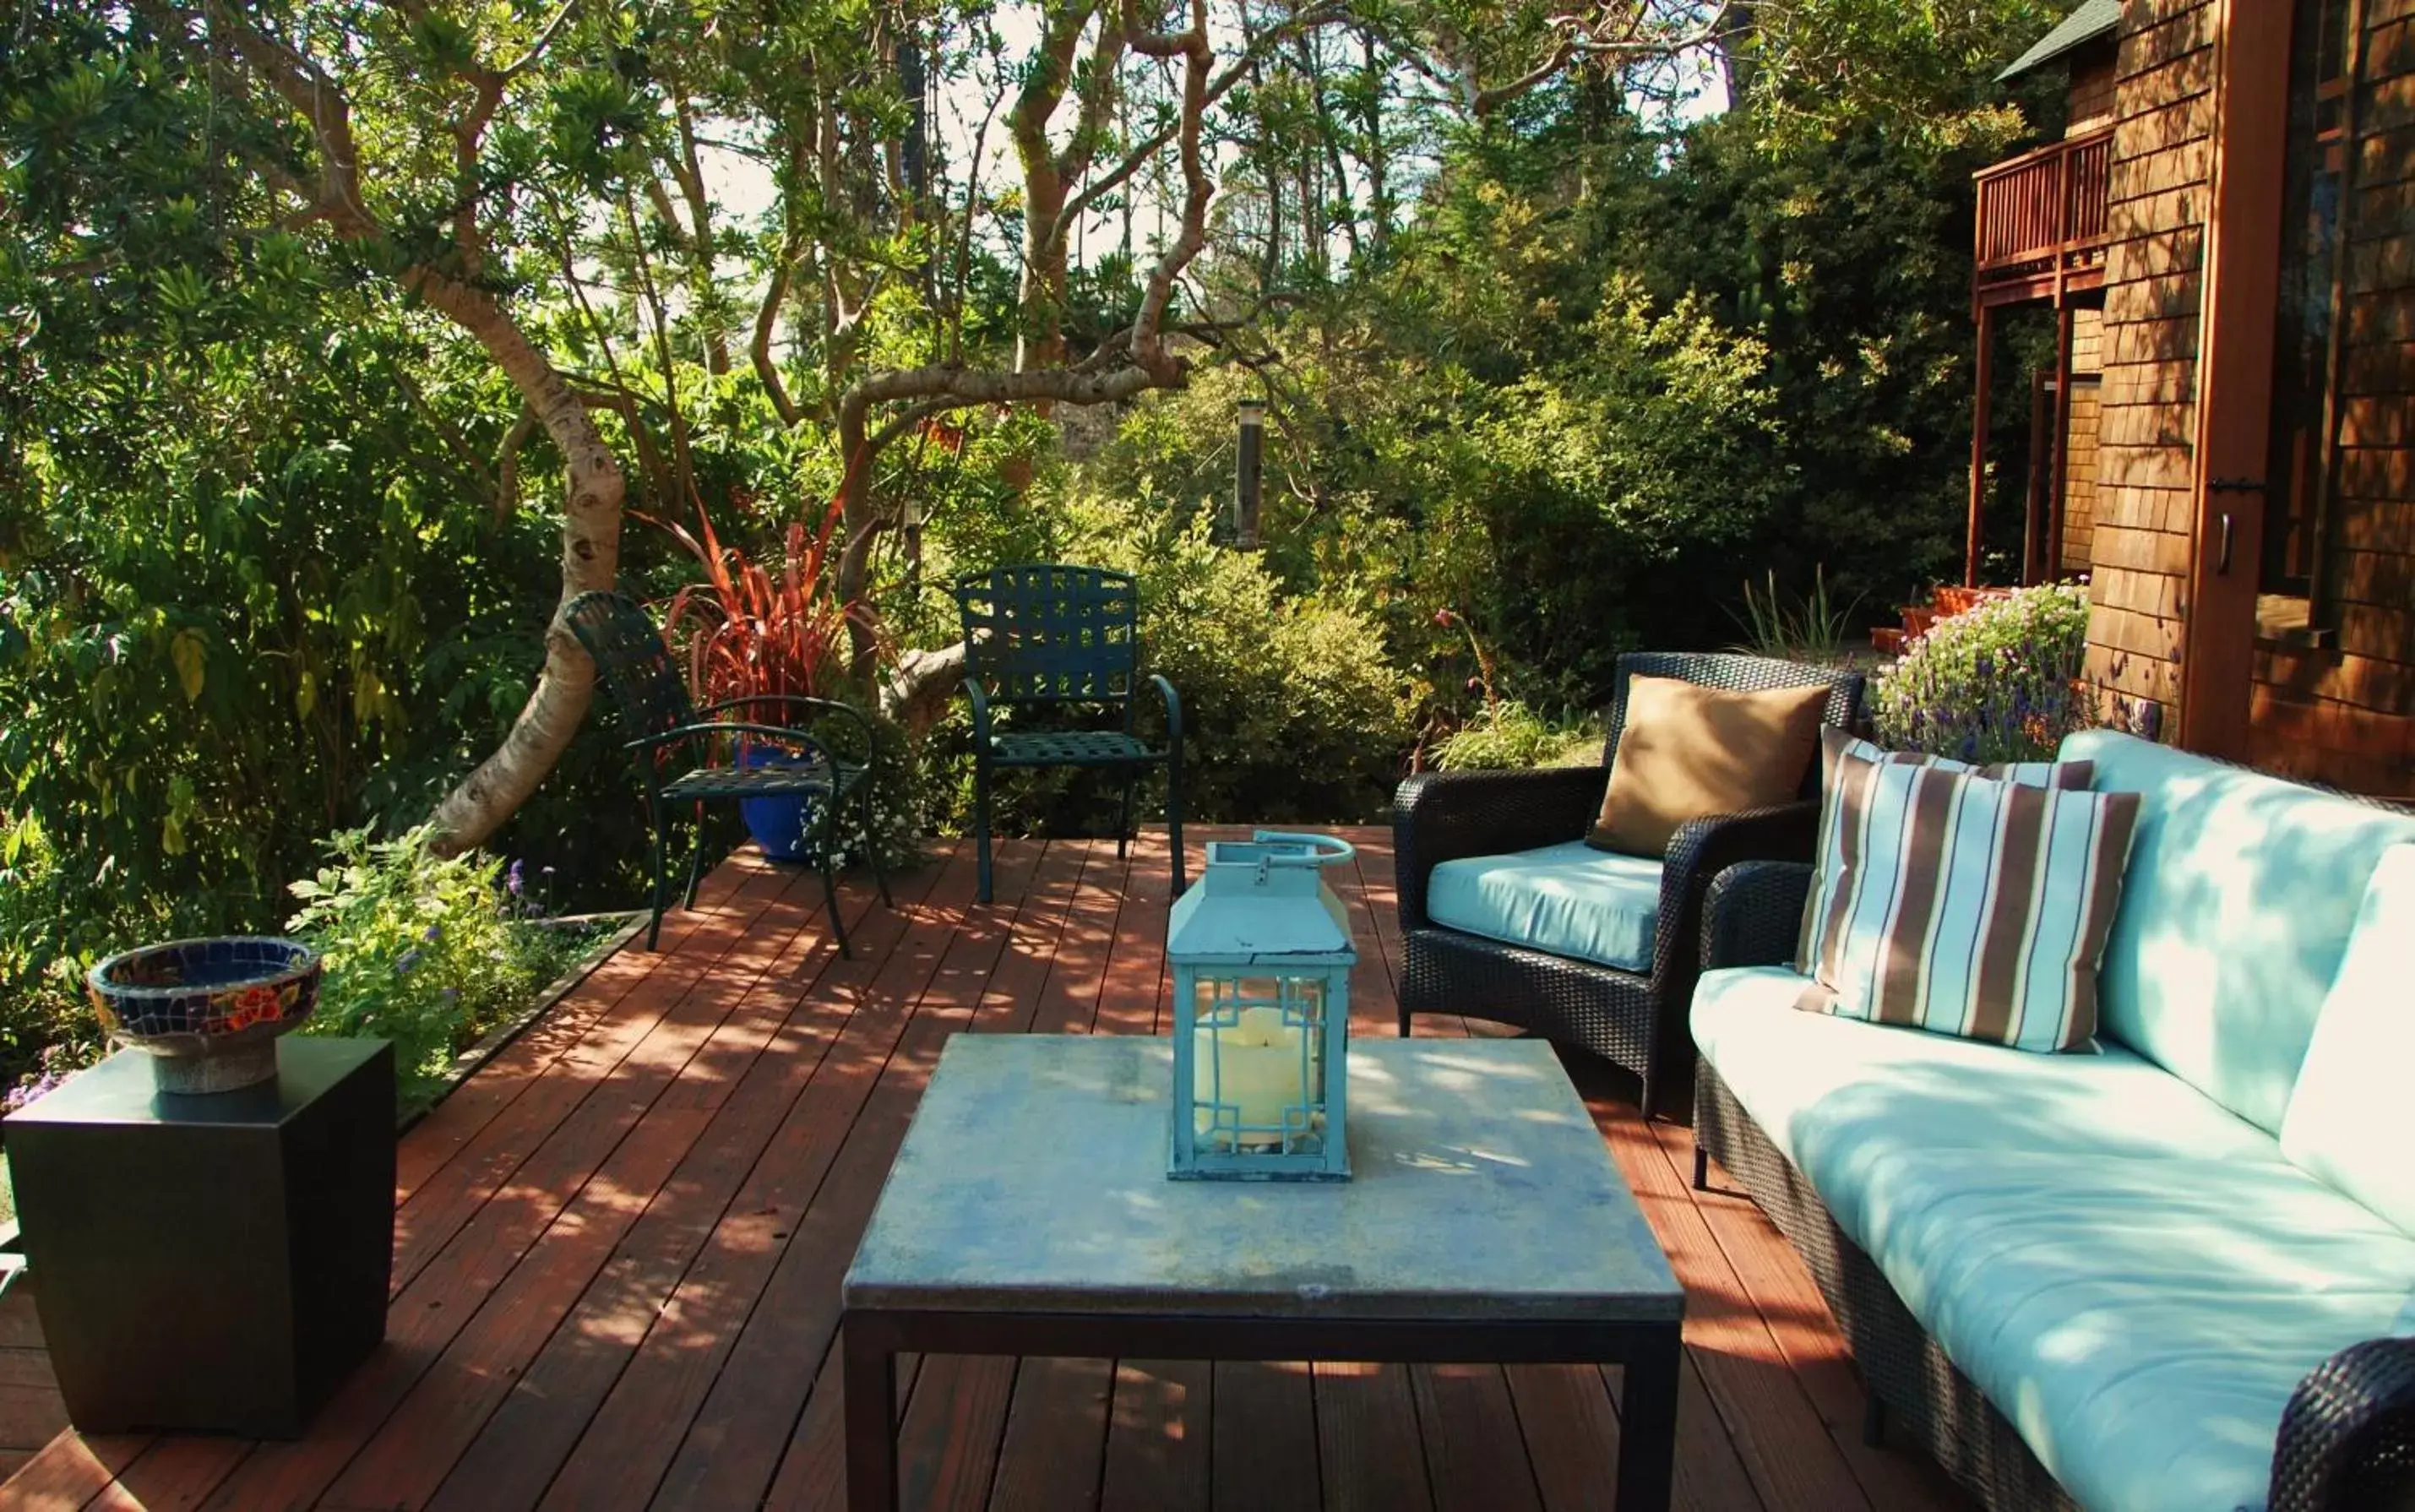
(709, 782)
(1567, 900)
(1071, 748)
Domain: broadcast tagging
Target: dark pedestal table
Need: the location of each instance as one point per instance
(210, 1264)
(1029, 1213)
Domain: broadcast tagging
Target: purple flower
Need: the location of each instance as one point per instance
(516, 880)
(404, 961)
(432, 934)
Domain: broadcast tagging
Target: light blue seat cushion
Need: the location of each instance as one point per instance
(2235, 913)
(2133, 1275)
(1566, 900)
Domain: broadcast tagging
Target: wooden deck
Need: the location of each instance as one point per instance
(618, 1251)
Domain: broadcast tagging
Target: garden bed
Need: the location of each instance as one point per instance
(590, 940)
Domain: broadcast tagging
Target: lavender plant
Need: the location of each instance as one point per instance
(1998, 682)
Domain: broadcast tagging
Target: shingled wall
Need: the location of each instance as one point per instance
(2159, 192)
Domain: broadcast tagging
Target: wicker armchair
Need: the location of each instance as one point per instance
(2346, 1441)
(1637, 1019)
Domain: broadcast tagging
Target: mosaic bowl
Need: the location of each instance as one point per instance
(209, 1010)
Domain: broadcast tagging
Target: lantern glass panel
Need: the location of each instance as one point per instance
(1258, 1068)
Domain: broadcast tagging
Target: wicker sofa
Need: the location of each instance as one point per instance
(1518, 834)
(2099, 1280)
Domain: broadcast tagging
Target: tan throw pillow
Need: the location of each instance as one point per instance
(1687, 751)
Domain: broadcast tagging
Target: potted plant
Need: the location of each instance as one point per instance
(747, 631)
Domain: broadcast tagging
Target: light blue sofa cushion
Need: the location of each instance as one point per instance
(2133, 1275)
(2351, 1121)
(1566, 900)
(2236, 911)
(1841, 1099)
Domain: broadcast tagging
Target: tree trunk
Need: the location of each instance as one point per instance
(1040, 340)
(1738, 40)
(859, 524)
(591, 554)
(1379, 192)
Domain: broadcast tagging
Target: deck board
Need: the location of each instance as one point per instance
(618, 1248)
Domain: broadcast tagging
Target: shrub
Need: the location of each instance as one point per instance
(1998, 682)
(1508, 735)
(428, 952)
(46, 1028)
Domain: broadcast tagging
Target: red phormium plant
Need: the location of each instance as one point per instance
(746, 630)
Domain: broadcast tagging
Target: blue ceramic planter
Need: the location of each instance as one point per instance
(777, 824)
(209, 1010)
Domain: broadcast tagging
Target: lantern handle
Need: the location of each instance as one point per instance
(1324, 851)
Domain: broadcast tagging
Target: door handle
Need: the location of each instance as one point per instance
(2222, 560)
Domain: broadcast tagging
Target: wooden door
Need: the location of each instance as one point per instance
(2235, 355)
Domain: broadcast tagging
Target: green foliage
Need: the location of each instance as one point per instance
(1291, 710)
(46, 1028)
(1997, 683)
(1812, 628)
(275, 560)
(1815, 69)
(426, 951)
(1508, 735)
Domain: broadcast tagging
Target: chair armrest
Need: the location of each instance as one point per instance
(1700, 851)
(853, 715)
(1173, 716)
(2348, 1436)
(1444, 815)
(706, 729)
(981, 715)
(1752, 914)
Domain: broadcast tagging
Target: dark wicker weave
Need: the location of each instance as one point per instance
(2347, 1441)
(1637, 1019)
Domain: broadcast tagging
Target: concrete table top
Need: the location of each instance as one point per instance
(1033, 1180)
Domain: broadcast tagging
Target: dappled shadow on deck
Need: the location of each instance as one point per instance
(619, 1245)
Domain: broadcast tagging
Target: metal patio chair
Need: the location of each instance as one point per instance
(1047, 636)
(637, 669)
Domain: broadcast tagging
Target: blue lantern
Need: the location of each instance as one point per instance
(1262, 955)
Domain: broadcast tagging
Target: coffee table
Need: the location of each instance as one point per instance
(1029, 1213)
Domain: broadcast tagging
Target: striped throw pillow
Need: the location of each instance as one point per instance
(1835, 744)
(1964, 904)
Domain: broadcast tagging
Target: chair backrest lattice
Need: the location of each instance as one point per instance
(1048, 633)
(633, 659)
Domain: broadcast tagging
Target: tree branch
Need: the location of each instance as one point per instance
(1143, 152)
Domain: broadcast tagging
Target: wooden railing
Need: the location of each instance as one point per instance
(2042, 215)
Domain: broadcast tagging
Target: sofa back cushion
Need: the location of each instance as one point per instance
(2351, 1122)
(2241, 891)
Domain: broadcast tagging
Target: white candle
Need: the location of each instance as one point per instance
(1254, 1064)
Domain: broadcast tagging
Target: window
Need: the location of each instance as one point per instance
(2306, 356)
